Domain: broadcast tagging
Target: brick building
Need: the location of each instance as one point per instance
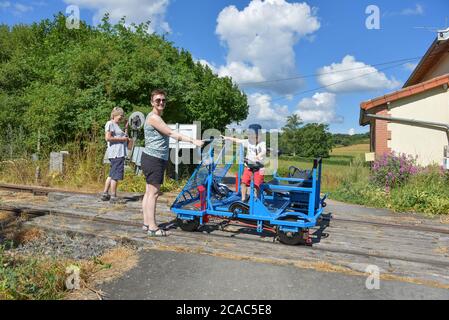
(415, 119)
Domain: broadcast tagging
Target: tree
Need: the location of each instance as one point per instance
(290, 139)
(316, 140)
(310, 140)
(65, 82)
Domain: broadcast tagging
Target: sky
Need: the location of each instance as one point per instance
(319, 58)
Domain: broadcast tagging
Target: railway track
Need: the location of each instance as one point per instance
(37, 190)
(225, 233)
(393, 225)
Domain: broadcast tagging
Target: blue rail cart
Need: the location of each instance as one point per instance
(287, 206)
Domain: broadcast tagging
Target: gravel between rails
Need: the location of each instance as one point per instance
(65, 245)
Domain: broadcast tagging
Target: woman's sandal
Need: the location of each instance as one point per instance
(157, 233)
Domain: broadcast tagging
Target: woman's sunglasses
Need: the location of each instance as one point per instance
(158, 101)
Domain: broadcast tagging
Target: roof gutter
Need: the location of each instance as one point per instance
(431, 124)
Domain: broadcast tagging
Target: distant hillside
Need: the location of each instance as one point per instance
(341, 139)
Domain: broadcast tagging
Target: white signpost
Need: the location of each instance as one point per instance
(190, 130)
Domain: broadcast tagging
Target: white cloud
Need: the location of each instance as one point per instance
(320, 108)
(22, 8)
(264, 112)
(351, 131)
(16, 8)
(410, 66)
(39, 3)
(351, 75)
(417, 10)
(5, 4)
(260, 40)
(241, 72)
(208, 64)
(136, 11)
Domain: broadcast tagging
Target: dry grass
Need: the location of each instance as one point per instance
(5, 215)
(28, 235)
(23, 197)
(444, 219)
(111, 265)
(441, 250)
(19, 171)
(121, 258)
(83, 169)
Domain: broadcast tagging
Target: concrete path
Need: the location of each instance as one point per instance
(173, 275)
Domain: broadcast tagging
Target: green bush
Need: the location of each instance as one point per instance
(362, 193)
(64, 83)
(426, 192)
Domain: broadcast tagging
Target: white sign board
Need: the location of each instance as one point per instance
(189, 130)
(370, 156)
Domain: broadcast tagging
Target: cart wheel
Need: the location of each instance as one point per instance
(291, 238)
(188, 225)
(239, 208)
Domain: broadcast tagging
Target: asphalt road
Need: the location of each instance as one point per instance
(179, 276)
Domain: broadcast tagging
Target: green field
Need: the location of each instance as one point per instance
(354, 150)
(339, 165)
(343, 162)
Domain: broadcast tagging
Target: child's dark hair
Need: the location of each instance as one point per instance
(257, 128)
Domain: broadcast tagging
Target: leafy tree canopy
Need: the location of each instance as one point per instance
(64, 82)
(310, 140)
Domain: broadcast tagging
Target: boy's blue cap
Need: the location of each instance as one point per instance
(255, 127)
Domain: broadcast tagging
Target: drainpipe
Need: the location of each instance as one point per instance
(431, 124)
(437, 125)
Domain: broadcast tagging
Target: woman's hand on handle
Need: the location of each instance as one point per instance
(198, 143)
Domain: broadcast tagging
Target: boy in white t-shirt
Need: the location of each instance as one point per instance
(116, 152)
(256, 151)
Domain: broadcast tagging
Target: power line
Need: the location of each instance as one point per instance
(331, 72)
(335, 83)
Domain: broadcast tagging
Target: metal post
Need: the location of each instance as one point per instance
(197, 155)
(177, 155)
(38, 141)
(10, 138)
(37, 174)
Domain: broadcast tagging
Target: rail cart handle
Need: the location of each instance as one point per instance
(275, 176)
(209, 141)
